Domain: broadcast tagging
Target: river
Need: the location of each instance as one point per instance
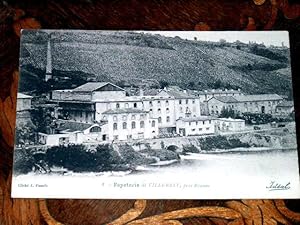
(264, 164)
(195, 176)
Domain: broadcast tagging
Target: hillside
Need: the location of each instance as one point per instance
(135, 57)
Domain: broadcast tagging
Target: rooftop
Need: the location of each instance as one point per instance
(93, 86)
(286, 104)
(178, 94)
(226, 99)
(72, 126)
(231, 119)
(218, 91)
(121, 111)
(20, 96)
(248, 98)
(261, 97)
(194, 119)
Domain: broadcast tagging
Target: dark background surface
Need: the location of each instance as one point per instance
(139, 15)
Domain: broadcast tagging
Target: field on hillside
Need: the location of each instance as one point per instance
(117, 56)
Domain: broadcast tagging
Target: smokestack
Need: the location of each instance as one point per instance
(141, 92)
(49, 60)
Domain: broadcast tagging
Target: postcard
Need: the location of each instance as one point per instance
(155, 115)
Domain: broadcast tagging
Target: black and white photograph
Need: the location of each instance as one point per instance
(155, 115)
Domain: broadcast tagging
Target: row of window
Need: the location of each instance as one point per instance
(158, 103)
(118, 106)
(200, 129)
(133, 124)
(125, 117)
(186, 101)
(124, 125)
(197, 122)
(167, 119)
(159, 110)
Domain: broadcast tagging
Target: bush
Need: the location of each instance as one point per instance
(190, 148)
(23, 161)
(220, 142)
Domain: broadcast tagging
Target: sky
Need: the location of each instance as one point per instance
(267, 37)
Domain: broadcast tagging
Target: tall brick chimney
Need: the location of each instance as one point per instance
(49, 60)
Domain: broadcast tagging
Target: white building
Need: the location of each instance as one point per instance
(263, 103)
(70, 132)
(285, 108)
(208, 94)
(195, 126)
(78, 104)
(129, 124)
(23, 102)
(185, 105)
(229, 125)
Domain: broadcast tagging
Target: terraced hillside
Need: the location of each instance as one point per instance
(116, 56)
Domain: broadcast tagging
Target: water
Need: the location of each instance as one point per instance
(197, 176)
(264, 164)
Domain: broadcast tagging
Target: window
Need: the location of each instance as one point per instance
(180, 109)
(159, 110)
(193, 129)
(180, 102)
(115, 126)
(104, 118)
(200, 129)
(133, 117)
(116, 137)
(187, 110)
(135, 105)
(245, 104)
(168, 119)
(142, 124)
(124, 125)
(167, 103)
(124, 117)
(158, 103)
(150, 103)
(133, 125)
(190, 123)
(117, 105)
(167, 110)
(193, 101)
(197, 123)
(95, 129)
(207, 128)
(203, 122)
(80, 114)
(159, 119)
(153, 123)
(186, 101)
(151, 110)
(209, 121)
(115, 118)
(126, 105)
(212, 111)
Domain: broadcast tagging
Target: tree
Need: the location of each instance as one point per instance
(163, 84)
(25, 133)
(227, 112)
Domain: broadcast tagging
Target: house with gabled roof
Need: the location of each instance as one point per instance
(72, 132)
(79, 103)
(285, 108)
(260, 103)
